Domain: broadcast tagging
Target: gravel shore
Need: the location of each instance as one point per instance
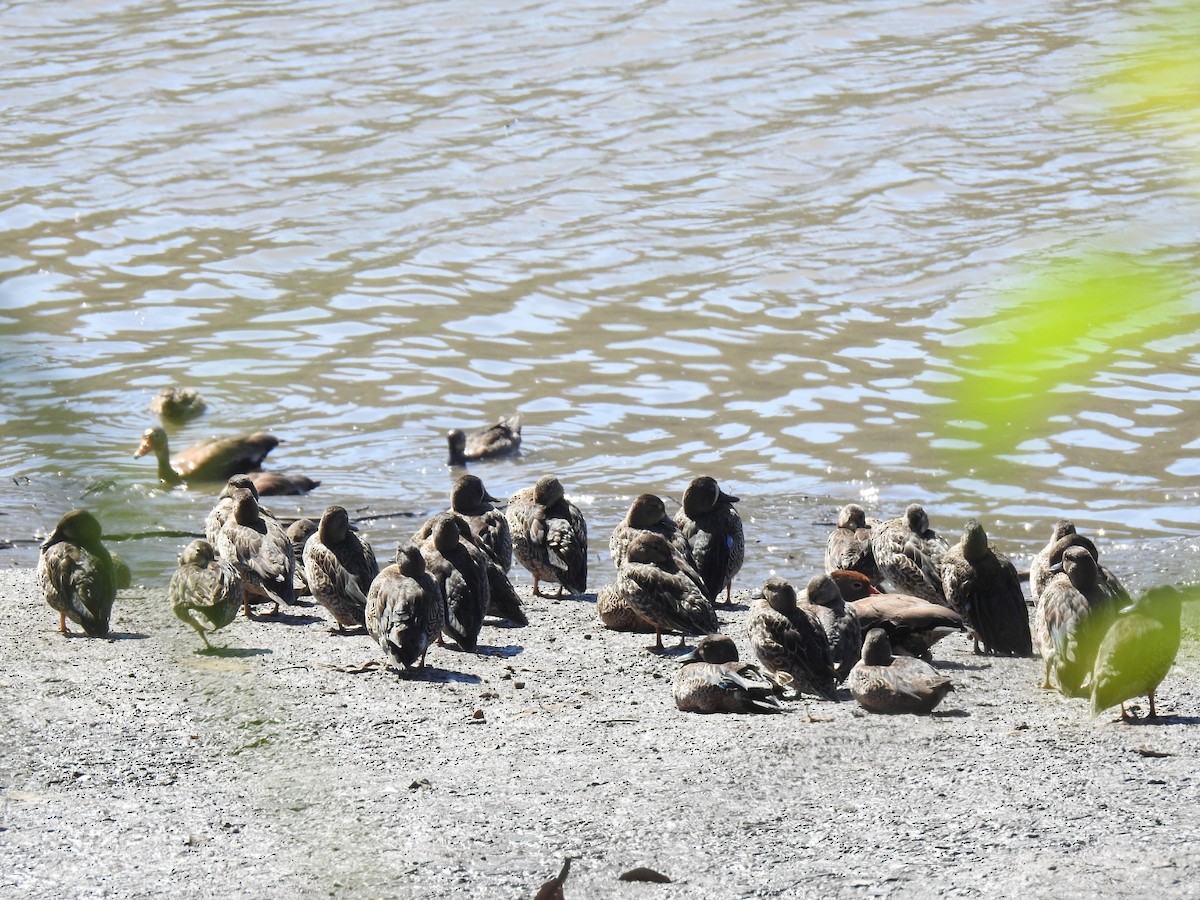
(282, 766)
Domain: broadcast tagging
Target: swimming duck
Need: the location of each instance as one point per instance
(206, 592)
(459, 569)
(656, 590)
(823, 600)
(260, 550)
(501, 439)
(789, 643)
(549, 536)
(76, 574)
(883, 683)
(913, 625)
(277, 484)
(982, 585)
(339, 567)
(714, 680)
(178, 404)
(909, 554)
(849, 544)
(1138, 651)
(404, 609)
(489, 526)
(713, 529)
(212, 460)
(1074, 611)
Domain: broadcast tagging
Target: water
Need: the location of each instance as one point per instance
(680, 238)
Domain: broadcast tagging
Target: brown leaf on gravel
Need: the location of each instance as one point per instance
(1150, 752)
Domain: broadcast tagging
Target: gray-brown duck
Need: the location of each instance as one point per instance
(823, 601)
(882, 683)
(339, 567)
(205, 591)
(459, 569)
(849, 544)
(501, 439)
(714, 680)
(909, 554)
(77, 575)
(404, 609)
(259, 549)
(1075, 610)
(549, 536)
(652, 584)
(982, 585)
(714, 531)
(790, 645)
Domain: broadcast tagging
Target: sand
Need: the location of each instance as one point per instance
(283, 766)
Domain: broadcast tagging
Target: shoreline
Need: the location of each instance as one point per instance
(283, 766)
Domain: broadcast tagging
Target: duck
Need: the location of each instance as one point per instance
(223, 507)
(651, 583)
(206, 592)
(909, 554)
(1138, 651)
(549, 536)
(339, 567)
(299, 533)
(913, 624)
(489, 526)
(501, 439)
(883, 683)
(1047, 564)
(459, 569)
(1039, 565)
(1075, 610)
(614, 611)
(822, 599)
(853, 585)
(278, 484)
(714, 531)
(503, 600)
(648, 512)
(982, 585)
(404, 609)
(212, 460)
(77, 574)
(790, 645)
(175, 405)
(714, 680)
(259, 549)
(848, 546)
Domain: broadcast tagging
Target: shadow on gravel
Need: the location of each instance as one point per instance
(961, 666)
(950, 714)
(122, 636)
(442, 676)
(233, 652)
(1161, 720)
(507, 651)
(288, 618)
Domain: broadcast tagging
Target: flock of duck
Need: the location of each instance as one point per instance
(890, 590)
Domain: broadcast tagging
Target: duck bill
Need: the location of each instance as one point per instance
(143, 448)
(729, 498)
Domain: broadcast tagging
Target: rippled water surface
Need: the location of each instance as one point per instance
(736, 239)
